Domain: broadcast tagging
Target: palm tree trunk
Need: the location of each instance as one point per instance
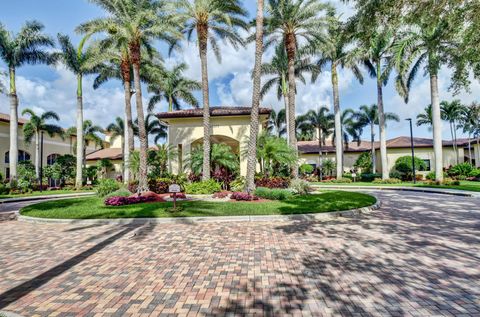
(320, 154)
(338, 123)
(128, 124)
(142, 133)
(477, 160)
(202, 31)
(285, 99)
(470, 148)
(381, 125)
(80, 139)
(455, 141)
(37, 154)
(437, 127)
(291, 51)
(13, 151)
(170, 104)
(372, 140)
(254, 121)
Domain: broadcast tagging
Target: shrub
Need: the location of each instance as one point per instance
(223, 176)
(386, 181)
(121, 201)
(204, 187)
(299, 186)
(133, 186)
(4, 189)
(159, 185)
(367, 177)
(404, 166)
(364, 162)
(107, 186)
(122, 192)
(305, 169)
(338, 181)
(462, 169)
(192, 177)
(272, 182)
(273, 194)
(238, 184)
(475, 173)
(26, 176)
(243, 196)
(450, 182)
(432, 176)
(393, 174)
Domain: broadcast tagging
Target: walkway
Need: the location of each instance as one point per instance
(418, 255)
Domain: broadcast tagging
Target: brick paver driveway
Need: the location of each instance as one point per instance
(419, 255)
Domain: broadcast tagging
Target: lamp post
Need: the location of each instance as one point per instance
(41, 161)
(413, 150)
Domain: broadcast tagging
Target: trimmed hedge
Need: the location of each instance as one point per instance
(203, 187)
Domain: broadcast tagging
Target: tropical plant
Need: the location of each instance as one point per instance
(351, 129)
(222, 156)
(452, 112)
(292, 22)
(153, 127)
(276, 123)
(368, 116)
(404, 165)
(76, 59)
(103, 165)
(210, 19)
(203, 188)
(364, 162)
(35, 126)
(274, 153)
(107, 186)
(470, 122)
(158, 159)
(171, 86)
(328, 167)
(337, 49)
(28, 46)
(136, 24)
(425, 118)
(26, 176)
(90, 136)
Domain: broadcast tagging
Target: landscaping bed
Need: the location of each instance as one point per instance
(94, 207)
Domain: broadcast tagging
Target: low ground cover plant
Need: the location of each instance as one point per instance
(272, 182)
(122, 192)
(107, 186)
(242, 196)
(121, 201)
(387, 181)
(273, 193)
(203, 188)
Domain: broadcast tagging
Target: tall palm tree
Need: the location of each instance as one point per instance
(337, 49)
(351, 128)
(76, 59)
(277, 71)
(428, 41)
(292, 22)
(28, 46)
(153, 127)
(425, 118)
(137, 23)
(90, 136)
(452, 112)
(276, 123)
(117, 130)
(256, 96)
(321, 120)
(368, 116)
(173, 87)
(33, 128)
(211, 19)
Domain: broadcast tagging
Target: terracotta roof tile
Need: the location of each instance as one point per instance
(108, 153)
(214, 112)
(6, 118)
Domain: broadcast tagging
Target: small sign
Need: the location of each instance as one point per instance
(89, 182)
(354, 175)
(174, 188)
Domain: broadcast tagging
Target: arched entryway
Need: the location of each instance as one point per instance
(219, 139)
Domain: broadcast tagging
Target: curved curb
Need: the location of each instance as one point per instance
(453, 192)
(211, 219)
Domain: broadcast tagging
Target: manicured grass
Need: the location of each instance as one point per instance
(45, 193)
(93, 207)
(464, 185)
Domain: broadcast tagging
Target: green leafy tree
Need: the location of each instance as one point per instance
(365, 163)
(34, 127)
(103, 166)
(26, 176)
(211, 19)
(405, 167)
(28, 46)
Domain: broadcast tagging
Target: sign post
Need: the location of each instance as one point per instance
(174, 188)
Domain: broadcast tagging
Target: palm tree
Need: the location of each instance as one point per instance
(90, 135)
(351, 128)
(254, 121)
(276, 122)
(211, 19)
(321, 120)
(470, 123)
(368, 116)
(337, 50)
(425, 118)
(117, 130)
(76, 60)
(222, 157)
(153, 127)
(173, 87)
(33, 128)
(273, 152)
(137, 23)
(452, 112)
(26, 47)
(278, 68)
(293, 22)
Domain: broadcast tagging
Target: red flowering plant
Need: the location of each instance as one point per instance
(243, 196)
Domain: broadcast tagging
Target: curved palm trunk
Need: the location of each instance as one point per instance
(80, 138)
(254, 121)
(381, 126)
(338, 123)
(291, 51)
(37, 154)
(372, 140)
(202, 31)
(142, 133)
(13, 151)
(437, 128)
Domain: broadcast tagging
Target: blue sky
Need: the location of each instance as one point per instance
(46, 88)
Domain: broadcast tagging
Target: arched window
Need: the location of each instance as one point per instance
(52, 158)
(22, 156)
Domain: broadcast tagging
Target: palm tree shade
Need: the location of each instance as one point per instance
(211, 19)
(28, 46)
(33, 128)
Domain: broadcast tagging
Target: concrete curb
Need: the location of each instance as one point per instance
(190, 220)
(30, 198)
(411, 189)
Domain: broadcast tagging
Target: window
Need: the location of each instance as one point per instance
(427, 166)
(22, 156)
(52, 158)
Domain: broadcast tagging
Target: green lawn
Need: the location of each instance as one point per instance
(93, 207)
(464, 185)
(45, 193)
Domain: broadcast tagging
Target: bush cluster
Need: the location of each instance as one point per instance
(386, 181)
(238, 184)
(159, 185)
(243, 196)
(338, 181)
(107, 186)
(273, 193)
(300, 187)
(368, 177)
(121, 201)
(122, 192)
(272, 182)
(204, 187)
